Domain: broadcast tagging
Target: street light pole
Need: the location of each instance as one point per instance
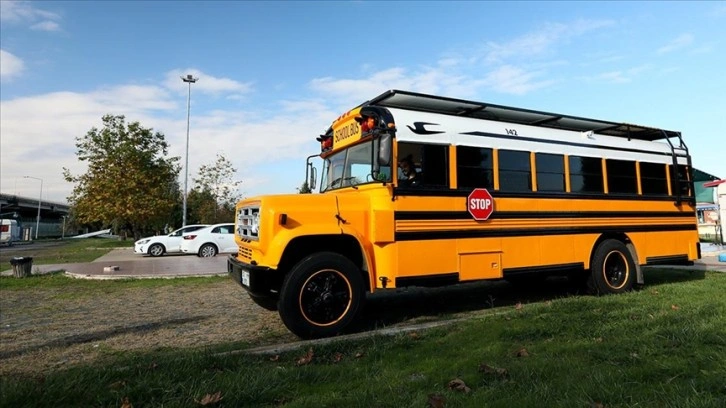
(40, 197)
(190, 80)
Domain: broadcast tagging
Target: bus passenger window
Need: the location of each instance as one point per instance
(474, 167)
(621, 176)
(586, 175)
(653, 179)
(550, 172)
(431, 161)
(515, 172)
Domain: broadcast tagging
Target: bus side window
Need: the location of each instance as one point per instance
(622, 177)
(586, 175)
(431, 161)
(515, 173)
(653, 178)
(474, 167)
(435, 165)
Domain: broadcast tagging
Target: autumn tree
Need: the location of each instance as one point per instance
(130, 183)
(215, 192)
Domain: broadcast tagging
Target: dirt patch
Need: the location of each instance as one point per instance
(47, 329)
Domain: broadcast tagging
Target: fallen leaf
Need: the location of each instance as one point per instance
(436, 401)
(117, 385)
(675, 307)
(210, 399)
(596, 405)
(337, 357)
(457, 384)
(413, 335)
(153, 366)
(125, 403)
(518, 306)
(522, 352)
(483, 368)
(358, 355)
(654, 291)
(307, 358)
(275, 357)
(598, 340)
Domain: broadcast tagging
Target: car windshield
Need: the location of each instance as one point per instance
(347, 168)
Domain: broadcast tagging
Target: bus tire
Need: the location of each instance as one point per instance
(612, 269)
(321, 295)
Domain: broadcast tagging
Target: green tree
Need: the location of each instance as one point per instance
(215, 192)
(130, 183)
(304, 188)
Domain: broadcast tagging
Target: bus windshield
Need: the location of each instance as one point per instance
(351, 167)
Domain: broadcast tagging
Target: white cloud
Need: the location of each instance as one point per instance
(205, 83)
(46, 26)
(38, 134)
(676, 44)
(514, 80)
(540, 42)
(25, 12)
(10, 65)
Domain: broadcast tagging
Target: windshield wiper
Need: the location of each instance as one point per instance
(341, 180)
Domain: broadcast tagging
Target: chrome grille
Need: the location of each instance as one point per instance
(248, 223)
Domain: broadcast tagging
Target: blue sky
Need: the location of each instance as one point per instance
(274, 75)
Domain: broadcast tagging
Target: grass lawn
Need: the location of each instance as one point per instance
(661, 346)
(62, 251)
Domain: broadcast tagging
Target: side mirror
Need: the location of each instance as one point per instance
(384, 150)
(312, 183)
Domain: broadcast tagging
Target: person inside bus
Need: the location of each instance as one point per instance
(410, 178)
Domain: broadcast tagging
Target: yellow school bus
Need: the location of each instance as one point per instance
(423, 190)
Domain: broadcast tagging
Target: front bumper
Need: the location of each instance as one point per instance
(255, 279)
(140, 249)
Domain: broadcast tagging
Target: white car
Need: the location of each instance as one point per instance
(164, 244)
(210, 241)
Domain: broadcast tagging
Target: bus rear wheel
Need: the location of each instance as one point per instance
(612, 269)
(321, 295)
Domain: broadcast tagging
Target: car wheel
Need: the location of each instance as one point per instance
(612, 269)
(321, 295)
(207, 251)
(156, 250)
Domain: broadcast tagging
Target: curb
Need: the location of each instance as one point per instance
(122, 277)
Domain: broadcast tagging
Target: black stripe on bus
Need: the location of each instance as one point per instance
(668, 260)
(531, 232)
(508, 215)
(425, 191)
(563, 143)
(509, 272)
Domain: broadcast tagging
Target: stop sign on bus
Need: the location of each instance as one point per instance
(480, 204)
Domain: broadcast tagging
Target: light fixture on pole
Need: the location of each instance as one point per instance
(190, 80)
(40, 197)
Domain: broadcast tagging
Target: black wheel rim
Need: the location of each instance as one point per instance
(325, 297)
(615, 270)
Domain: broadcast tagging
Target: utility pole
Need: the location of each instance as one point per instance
(190, 80)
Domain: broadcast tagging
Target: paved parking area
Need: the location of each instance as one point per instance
(131, 265)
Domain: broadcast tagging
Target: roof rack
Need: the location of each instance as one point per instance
(459, 107)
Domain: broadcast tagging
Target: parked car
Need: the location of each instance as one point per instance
(164, 244)
(210, 241)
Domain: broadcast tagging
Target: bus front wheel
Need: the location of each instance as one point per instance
(321, 295)
(612, 269)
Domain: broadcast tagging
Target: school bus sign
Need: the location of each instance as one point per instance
(480, 204)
